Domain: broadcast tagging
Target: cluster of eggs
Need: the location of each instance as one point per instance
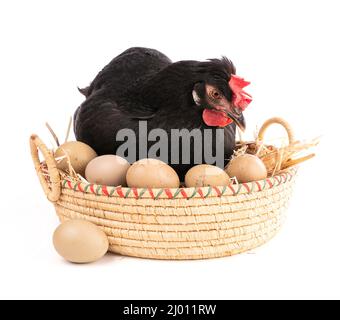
(112, 170)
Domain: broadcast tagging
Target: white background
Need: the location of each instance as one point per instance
(290, 52)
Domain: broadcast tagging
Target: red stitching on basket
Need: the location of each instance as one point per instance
(258, 186)
(120, 192)
(80, 188)
(277, 179)
(246, 186)
(232, 189)
(69, 184)
(184, 194)
(151, 193)
(217, 191)
(104, 190)
(199, 190)
(168, 193)
(92, 189)
(135, 192)
(270, 183)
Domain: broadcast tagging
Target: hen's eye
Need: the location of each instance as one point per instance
(215, 94)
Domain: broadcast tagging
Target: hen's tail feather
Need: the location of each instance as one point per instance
(84, 91)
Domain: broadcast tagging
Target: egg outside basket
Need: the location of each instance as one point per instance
(183, 223)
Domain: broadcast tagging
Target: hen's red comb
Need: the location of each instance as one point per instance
(241, 99)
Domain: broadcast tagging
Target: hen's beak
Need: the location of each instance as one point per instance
(238, 118)
(231, 111)
(235, 114)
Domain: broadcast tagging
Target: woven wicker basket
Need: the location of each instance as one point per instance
(183, 223)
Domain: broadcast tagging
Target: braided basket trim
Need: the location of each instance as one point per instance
(181, 193)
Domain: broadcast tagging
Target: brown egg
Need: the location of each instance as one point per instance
(246, 168)
(80, 241)
(152, 173)
(204, 175)
(80, 155)
(109, 170)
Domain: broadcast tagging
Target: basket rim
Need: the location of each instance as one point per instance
(181, 192)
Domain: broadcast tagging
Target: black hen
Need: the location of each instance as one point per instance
(143, 84)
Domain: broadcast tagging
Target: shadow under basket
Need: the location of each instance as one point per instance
(183, 223)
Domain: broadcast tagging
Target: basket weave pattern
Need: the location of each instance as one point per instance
(183, 223)
(181, 228)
